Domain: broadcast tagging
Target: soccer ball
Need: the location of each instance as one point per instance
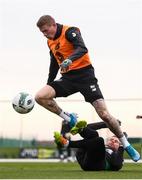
(23, 103)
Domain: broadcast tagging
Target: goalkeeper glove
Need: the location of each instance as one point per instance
(66, 63)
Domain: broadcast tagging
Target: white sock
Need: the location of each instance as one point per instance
(65, 116)
(124, 141)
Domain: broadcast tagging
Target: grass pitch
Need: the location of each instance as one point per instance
(64, 171)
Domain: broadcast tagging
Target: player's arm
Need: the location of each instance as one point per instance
(53, 69)
(74, 36)
(116, 159)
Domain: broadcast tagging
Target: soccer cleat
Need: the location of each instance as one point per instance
(78, 127)
(135, 156)
(60, 140)
(73, 119)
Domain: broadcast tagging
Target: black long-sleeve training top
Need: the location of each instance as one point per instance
(114, 158)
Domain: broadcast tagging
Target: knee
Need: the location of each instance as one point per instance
(42, 98)
(38, 98)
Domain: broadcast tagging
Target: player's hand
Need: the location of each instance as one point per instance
(65, 64)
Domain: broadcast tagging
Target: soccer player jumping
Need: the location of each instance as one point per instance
(69, 54)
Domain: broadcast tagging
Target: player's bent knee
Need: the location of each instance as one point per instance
(46, 93)
(38, 98)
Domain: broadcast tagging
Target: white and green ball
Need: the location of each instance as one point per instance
(23, 103)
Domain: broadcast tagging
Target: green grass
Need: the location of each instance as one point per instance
(64, 171)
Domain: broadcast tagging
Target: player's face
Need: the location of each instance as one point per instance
(113, 142)
(48, 31)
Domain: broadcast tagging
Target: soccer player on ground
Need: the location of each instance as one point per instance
(69, 54)
(92, 153)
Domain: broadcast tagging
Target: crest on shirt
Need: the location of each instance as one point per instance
(74, 34)
(57, 46)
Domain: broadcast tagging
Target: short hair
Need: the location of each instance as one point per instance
(45, 19)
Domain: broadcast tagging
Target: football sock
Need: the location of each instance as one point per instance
(124, 141)
(65, 116)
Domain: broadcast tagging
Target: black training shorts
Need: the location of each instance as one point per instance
(82, 80)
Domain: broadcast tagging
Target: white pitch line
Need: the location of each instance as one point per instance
(30, 160)
(131, 161)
